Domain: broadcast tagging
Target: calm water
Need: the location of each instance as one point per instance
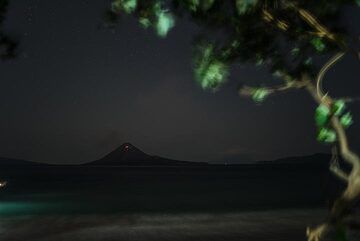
(162, 203)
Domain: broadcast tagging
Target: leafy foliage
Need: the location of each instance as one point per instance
(127, 6)
(346, 120)
(164, 20)
(326, 135)
(260, 94)
(268, 33)
(203, 5)
(244, 6)
(282, 36)
(318, 44)
(145, 22)
(210, 71)
(322, 115)
(338, 107)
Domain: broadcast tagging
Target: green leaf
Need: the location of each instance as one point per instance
(346, 120)
(322, 115)
(128, 6)
(358, 2)
(165, 20)
(338, 107)
(260, 94)
(193, 5)
(244, 6)
(144, 22)
(213, 75)
(204, 5)
(326, 135)
(318, 44)
(210, 72)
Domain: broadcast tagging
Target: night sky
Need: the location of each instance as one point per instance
(78, 90)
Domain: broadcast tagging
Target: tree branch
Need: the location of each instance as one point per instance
(338, 172)
(321, 30)
(345, 152)
(323, 71)
(247, 91)
(352, 192)
(317, 233)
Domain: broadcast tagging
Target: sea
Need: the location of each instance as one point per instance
(149, 203)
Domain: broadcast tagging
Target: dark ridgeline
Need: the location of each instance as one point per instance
(318, 160)
(125, 155)
(129, 155)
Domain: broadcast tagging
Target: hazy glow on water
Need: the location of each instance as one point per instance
(279, 225)
(19, 208)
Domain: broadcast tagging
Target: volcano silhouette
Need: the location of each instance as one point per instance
(129, 155)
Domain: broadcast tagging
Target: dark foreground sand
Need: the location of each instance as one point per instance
(280, 225)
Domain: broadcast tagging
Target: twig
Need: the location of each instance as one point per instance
(323, 71)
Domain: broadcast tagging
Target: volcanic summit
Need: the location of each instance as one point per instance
(129, 155)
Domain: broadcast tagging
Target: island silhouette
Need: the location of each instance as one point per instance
(129, 155)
